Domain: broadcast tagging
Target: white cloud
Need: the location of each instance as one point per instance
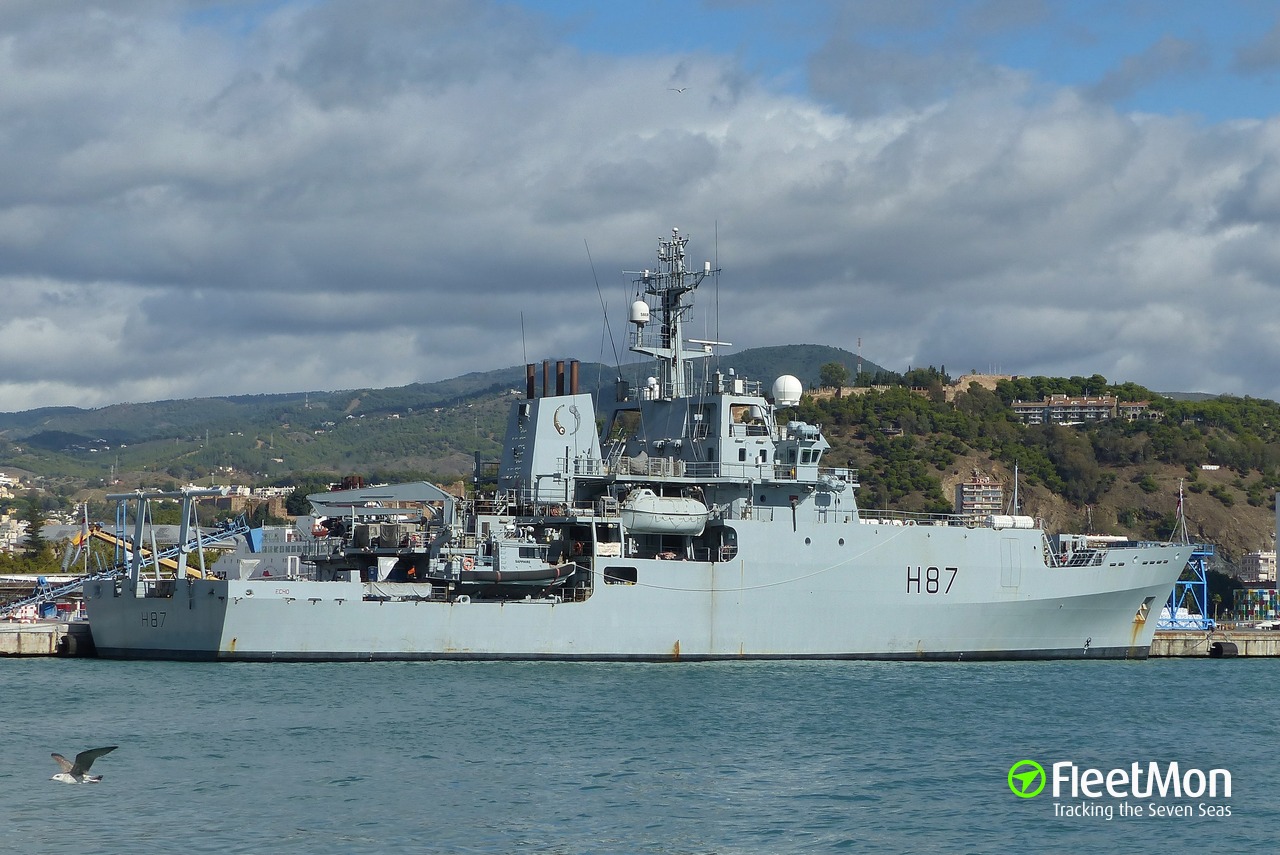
(237, 200)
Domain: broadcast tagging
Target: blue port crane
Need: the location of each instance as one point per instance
(1188, 606)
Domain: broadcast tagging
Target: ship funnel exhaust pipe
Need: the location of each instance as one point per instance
(546, 377)
(530, 381)
(559, 376)
(573, 377)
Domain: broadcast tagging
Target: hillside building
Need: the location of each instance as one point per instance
(1257, 600)
(1066, 410)
(12, 532)
(979, 495)
(1258, 567)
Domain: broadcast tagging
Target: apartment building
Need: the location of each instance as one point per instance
(979, 495)
(1067, 410)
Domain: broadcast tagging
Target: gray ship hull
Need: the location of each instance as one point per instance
(835, 604)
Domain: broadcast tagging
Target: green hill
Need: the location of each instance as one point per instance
(424, 429)
(804, 361)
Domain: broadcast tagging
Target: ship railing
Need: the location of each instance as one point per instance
(519, 501)
(655, 467)
(786, 471)
(497, 503)
(583, 466)
(707, 470)
(748, 511)
(726, 386)
(843, 516)
(656, 391)
(526, 502)
(730, 384)
(839, 473)
(670, 467)
(1080, 558)
(874, 516)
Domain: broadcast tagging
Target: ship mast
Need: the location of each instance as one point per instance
(663, 295)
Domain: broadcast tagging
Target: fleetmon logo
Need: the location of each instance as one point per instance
(1026, 779)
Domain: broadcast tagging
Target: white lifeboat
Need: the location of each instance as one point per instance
(645, 512)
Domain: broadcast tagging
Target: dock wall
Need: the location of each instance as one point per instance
(45, 638)
(59, 638)
(1187, 643)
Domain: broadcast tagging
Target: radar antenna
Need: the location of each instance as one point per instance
(660, 296)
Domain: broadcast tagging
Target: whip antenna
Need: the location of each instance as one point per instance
(603, 309)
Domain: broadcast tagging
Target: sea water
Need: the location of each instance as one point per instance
(500, 757)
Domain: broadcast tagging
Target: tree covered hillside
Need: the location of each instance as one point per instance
(912, 446)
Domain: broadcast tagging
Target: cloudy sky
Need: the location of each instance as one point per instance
(214, 198)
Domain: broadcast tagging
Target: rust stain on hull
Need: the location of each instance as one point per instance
(1139, 622)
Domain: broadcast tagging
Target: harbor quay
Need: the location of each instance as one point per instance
(46, 638)
(1218, 643)
(73, 638)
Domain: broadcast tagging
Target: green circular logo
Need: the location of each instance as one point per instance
(1026, 779)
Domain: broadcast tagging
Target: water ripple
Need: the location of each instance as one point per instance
(692, 758)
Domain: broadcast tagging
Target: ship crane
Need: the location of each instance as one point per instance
(129, 558)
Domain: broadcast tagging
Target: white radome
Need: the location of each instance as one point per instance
(787, 390)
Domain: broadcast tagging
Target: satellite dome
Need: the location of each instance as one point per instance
(786, 391)
(639, 313)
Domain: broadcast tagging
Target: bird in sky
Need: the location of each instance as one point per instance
(78, 772)
(681, 89)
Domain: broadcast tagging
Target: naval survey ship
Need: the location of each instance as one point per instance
(694, 519)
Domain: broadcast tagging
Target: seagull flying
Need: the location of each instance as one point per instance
(673, 89)
(78, 772)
